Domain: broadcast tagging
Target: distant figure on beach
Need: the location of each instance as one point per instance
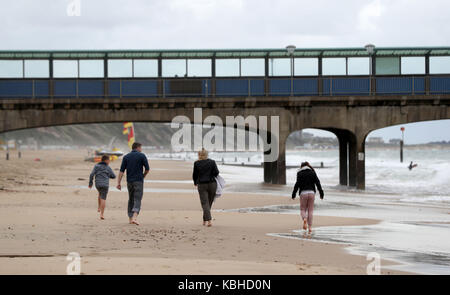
(412, 166)
(136, 165)
(204, 174)
(306, 184)
(102, 173)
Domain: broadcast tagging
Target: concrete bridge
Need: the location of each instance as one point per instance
(310, 88)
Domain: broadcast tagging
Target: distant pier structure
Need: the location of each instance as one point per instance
(347, 91)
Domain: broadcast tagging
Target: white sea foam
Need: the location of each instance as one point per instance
(429, 182)
(439, 199)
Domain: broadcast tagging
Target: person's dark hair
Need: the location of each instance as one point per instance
(306, 164)
(105, 158)
(136, 145)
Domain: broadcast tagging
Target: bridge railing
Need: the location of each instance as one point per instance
(224, 87)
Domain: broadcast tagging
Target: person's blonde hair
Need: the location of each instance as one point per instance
(203, 154)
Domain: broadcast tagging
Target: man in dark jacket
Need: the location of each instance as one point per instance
(134, 163)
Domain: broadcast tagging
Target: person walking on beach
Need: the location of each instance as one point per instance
(134, 163)
(102, 173)
(306, 184)
(204, 174)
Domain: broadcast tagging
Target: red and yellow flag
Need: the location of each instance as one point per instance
(128, 128)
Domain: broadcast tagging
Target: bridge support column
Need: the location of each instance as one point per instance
(352, 161)
(348, 157)
(267, 172)
(343, 159)
(279, 167)
(275, 171)
(361, 164)
(357, 162)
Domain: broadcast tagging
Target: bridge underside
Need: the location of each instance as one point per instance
(350, 118)
(351, 170)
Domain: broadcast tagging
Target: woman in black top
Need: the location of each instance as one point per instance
(204, 174)
(306, 184)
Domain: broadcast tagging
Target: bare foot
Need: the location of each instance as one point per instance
(304, 225)
(209, 224)
(134, 222)
(102, 217)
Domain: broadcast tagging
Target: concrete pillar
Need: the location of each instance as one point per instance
(361, 163)
(267, 165)
(279, 167)
(352, 161)
(343, 161)
(275, 171)
(357, 162)
(268, 172)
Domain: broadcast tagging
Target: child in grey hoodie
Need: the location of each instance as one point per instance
(102, 173)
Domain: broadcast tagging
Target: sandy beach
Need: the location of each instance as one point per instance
(46, 212)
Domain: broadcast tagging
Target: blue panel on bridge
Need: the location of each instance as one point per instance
(419, 85)
(257, 87)
(440, 85)
(65, 88)
(140, 88)
(166, 88)
(326, 87)
(280, 87)
(41, 88)
(305, 86)
(392, 85)
(302, 87)
(346, 86)
(232, 87)
(15, 89)
(90, 88)
(401, 85)
(114, 88)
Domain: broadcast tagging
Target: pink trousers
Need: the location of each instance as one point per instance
(307, 207)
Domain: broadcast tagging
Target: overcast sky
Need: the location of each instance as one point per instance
(191, 24)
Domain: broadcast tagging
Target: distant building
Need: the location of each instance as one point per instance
(376, 140)
(395, 141)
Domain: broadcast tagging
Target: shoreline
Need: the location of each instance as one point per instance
(45, 216)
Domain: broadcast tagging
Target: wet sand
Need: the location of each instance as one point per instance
(46, 212)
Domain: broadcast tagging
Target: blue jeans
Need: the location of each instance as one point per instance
(135, 193)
